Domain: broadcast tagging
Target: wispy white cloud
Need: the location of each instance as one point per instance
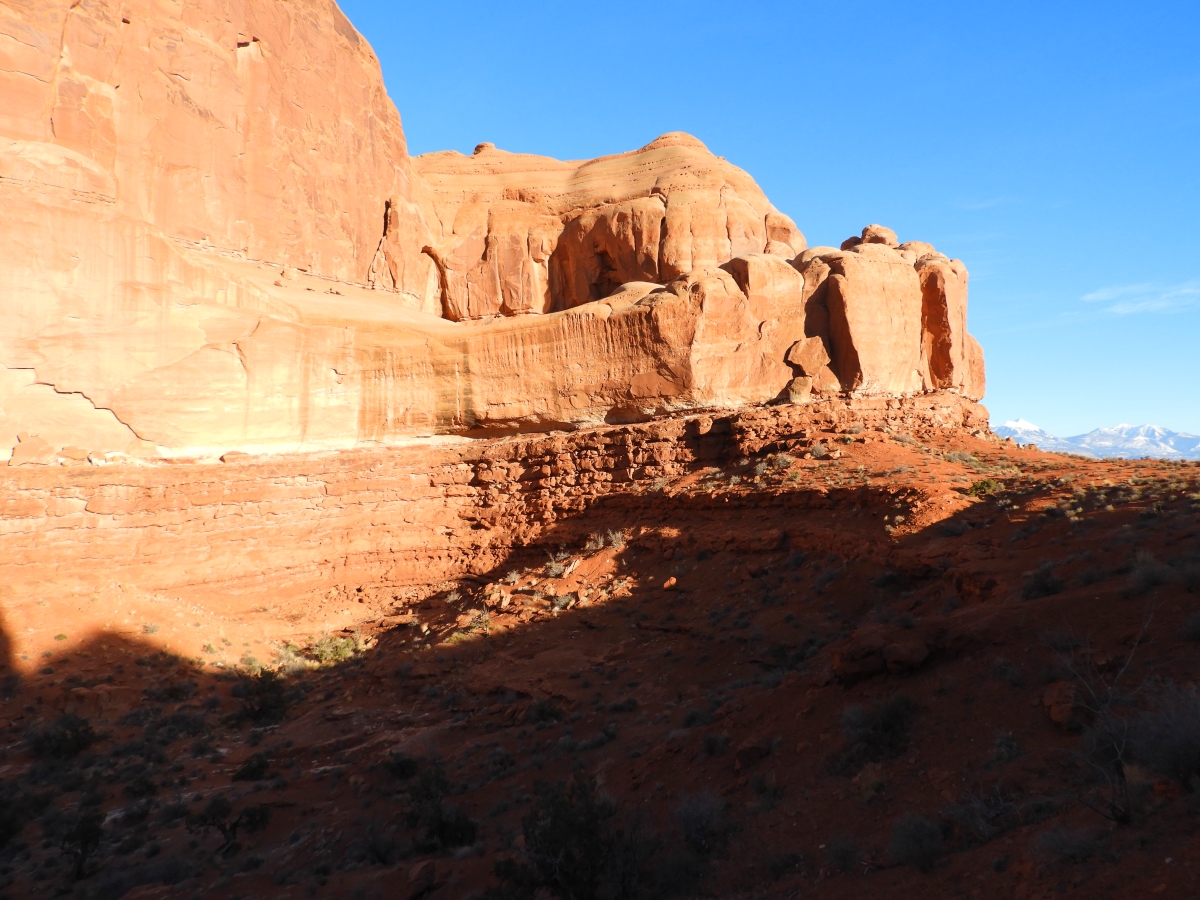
(1128, 299)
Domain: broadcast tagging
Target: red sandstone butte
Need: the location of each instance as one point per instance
(215, 240)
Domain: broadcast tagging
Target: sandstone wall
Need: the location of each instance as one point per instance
(517, 233)
(214, 240)
(256, 527)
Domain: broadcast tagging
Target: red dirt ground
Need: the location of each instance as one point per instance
(702, 635)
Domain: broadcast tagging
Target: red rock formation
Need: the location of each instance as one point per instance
(216, 240)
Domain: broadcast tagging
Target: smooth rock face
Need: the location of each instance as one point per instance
(214, 240)
(518, 233)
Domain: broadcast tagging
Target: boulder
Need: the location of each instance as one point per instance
(799, 389)
(32, 450)
(808, 355)
(877, 234)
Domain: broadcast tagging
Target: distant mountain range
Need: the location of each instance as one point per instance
(1123, 441)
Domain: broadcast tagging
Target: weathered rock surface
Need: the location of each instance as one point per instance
(215, 240)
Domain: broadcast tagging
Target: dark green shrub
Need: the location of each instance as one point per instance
(916, 842)
(1067, 845)
(83, 839)
(543, 712)
(873, 734)
(263, 697)
(1166, 738)
(400, 765)
(1042, 583)
(985, 487)
(701, 819)
(577, 847)
(253, 769)
(66, 738)
(843, 854)
(444, 826)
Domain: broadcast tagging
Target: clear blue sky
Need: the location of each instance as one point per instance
(1053, 147)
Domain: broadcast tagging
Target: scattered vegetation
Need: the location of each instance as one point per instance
(874, 733)
(916, 842)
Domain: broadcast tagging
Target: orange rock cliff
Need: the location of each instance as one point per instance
(215, 240)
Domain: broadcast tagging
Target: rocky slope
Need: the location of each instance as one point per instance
(834, 648)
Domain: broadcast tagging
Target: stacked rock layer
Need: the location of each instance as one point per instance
(215, 240)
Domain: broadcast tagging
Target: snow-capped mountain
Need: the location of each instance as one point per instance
(1123, 441)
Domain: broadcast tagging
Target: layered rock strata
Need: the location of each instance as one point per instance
(215, 240)
(257, 527)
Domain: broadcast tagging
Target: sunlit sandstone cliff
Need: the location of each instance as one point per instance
(214, 239)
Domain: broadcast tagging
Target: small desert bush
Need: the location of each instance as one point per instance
(1042, 583)
(1166, 737)
(1148, 573)
(874, 733)
(984, 488)
(333, 649)
(1191, 629)
(69, 736)
(916, 841)
(818, 451)
(263, 698)
(701, 819)
(1067, 845)
(543, 712)
(444, 826)
(578, 846)
(616, 539)
(843, 854)
(400, 765)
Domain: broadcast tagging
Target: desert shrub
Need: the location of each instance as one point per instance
(578, 847)
(1006, 671)
(253, 769)
(69, 736)
(876, 733)
(953, 528)
(555, 569)
(843, 854)
(173, 692)
(916, 842)
(701, 819)
(694, 717)
(263, 697)
(444, 826)
(786, 863)
(1148, 573)
(543, 712)
(333, 649)
(1191, 629)
(985, 487)
(1042, 583)
(400, 765)
(83, 839)
(216, 815)
(629, 704)
(1067, 845)
(716, 744)
(616, 539)
(818, 451)
(1005, 749)
(1166, 737)
(962, 457)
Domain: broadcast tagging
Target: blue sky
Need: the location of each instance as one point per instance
(1054, 148)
